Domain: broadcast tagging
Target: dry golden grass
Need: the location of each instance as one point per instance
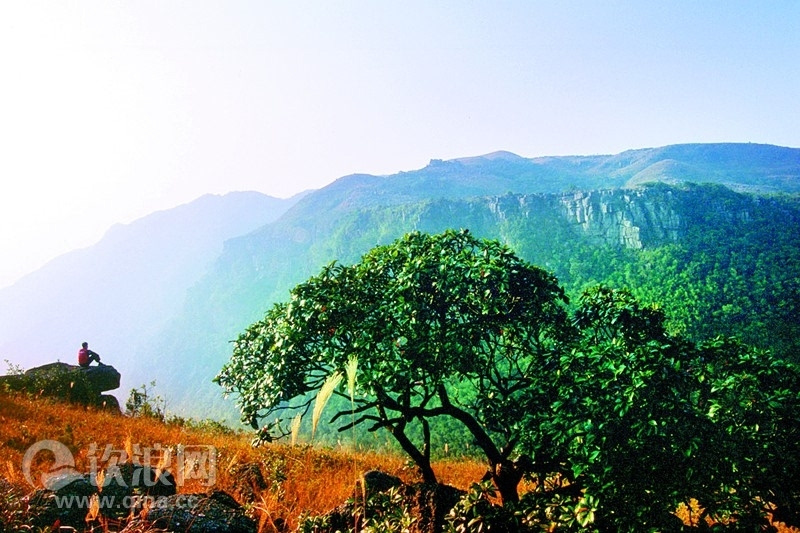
(299, 479)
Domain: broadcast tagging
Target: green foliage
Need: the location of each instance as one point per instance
(206, 424)
(142, 402)
(733, 272)
(424, 316)
(475, 513)
(382, 512)
(642, 422)
(387, 511)
(616, 419)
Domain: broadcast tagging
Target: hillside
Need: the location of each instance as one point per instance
(295, 479)
(706, 252)
(120, 292)
(713, 247)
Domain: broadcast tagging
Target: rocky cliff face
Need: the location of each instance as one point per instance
(628, 218)
(635, 218)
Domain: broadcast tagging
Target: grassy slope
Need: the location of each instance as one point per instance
(300, 479)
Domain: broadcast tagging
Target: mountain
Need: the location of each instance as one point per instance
(120, 292)
(700, 228)
(580, 217)
(744, 167)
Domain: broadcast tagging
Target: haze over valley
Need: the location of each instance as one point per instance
(161, 298)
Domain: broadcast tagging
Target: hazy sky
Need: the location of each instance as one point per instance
(110, 110)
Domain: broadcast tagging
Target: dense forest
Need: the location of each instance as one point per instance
(715, 261)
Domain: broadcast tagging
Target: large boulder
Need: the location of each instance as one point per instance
(215, 512)
(69, 382)
(102, 378)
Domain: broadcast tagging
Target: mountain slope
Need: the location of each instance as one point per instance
(587, 218)
(118, 293)
(616, 236)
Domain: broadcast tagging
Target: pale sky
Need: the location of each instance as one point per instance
(110, 110)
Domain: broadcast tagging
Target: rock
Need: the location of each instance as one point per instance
(216, 512)
(67, 505)
(126, 485)
(70, 383)
(61, 480)
(67, 497)
(375, 481)
(102, 377)
(109, 403)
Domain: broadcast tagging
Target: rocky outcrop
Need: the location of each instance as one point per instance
(644, 217)
(67, 498)
(102, 378)
(69, 382)
(215, 512)
(626, 218)
(142, 496)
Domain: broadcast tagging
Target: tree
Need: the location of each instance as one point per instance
(616, 421)
(442, 325)
(642, 422)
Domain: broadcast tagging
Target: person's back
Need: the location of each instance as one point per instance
(86, 356)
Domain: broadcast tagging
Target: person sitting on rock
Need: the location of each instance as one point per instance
(86, 356)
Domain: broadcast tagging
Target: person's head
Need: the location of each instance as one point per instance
(85, 344)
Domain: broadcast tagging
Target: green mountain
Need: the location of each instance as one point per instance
(711, 231)
(720, 261)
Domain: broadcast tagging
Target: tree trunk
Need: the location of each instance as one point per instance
(421, 459)
(506, 477)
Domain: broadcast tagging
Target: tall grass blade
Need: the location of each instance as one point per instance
(325, 393)
(350, 369)
(296, 428)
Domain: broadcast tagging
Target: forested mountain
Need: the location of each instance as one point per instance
(712, 232)
(703, 251)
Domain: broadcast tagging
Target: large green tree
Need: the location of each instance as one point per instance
(616, 421)
(442, 325)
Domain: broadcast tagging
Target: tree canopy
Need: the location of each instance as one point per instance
(616, 421)
(423, 316)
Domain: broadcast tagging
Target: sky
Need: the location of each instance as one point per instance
(110, 109)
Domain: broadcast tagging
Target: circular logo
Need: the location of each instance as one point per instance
(61, 473)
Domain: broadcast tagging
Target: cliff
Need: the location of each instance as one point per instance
(638, 218)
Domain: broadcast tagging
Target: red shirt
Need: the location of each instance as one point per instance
(83, 357)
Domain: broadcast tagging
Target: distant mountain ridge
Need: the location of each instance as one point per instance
(744, 167)
(562, 213)
(120, 292)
